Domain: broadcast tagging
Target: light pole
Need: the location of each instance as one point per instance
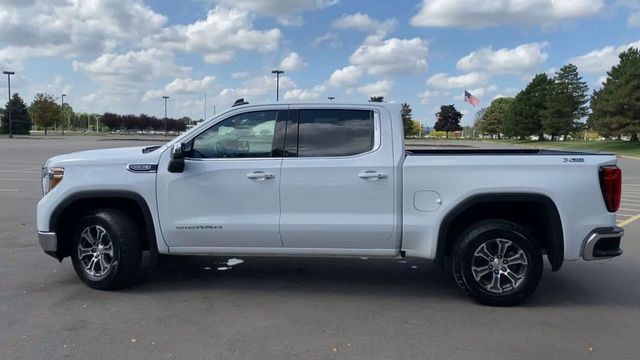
(165, 114)
(277, 72)
(331, 98)
(62, 109)
(9, 73)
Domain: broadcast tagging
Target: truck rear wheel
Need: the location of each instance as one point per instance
(497, 263)
(106, 250)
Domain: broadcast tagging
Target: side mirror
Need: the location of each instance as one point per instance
(176, 164)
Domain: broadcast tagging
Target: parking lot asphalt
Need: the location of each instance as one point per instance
(296, 308)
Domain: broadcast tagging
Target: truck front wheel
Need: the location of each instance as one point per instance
(497, 263)
(106, 251)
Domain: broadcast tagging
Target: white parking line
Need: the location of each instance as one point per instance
(627, 209)
(628, 221)
(8, 179)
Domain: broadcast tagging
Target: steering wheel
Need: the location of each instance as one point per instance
(225, 152)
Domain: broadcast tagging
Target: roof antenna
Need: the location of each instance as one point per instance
(240, 102)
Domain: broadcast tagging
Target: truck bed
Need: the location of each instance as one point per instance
(476, 151)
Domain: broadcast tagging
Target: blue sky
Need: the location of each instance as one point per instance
(122, 56)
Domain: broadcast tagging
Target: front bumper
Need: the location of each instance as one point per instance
(49, 243)
(602, 243)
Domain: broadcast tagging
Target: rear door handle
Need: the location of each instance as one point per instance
(372, 175)
(260, 175)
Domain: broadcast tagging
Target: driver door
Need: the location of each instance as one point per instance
(229, 193)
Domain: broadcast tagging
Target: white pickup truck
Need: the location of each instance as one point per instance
(330, 180)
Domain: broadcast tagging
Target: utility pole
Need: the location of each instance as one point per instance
(165, 114)
(278, 73)
(62, 109)
(205, 105)
(9, 73)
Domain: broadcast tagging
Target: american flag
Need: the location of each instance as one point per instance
(471, 99)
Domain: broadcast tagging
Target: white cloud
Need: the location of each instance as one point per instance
(182, 86)
(634, 19)
(283, 10)
(380, 88)
(293, 62)
(240, 75)
(130, 71)
(304, 95)
(482, 13)
(346, 77)
(444, 81)
(363, 22)
(521, 59)
(632, 7)
(330, 38)
(68, 28)
(218, 37)
(427, 95)
(392, 56)
(601, 60)
(256, 89)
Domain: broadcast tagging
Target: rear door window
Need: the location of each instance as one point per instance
(331, 133)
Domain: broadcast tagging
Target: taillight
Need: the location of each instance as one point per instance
(611, 185)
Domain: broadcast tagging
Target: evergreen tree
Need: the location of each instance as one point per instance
(45, 111)
(492, 118)
(376, 99)
(525, 113)
(407, 120)
(615, 109)
(566, 103)
(448, 119)
(20, 118)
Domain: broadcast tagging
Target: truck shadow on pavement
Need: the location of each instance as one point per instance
(575, 284)
(409, 277)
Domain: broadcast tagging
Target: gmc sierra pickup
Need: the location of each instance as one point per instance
(330, 180)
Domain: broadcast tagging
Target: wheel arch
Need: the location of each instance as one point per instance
(65, 213)
(537, 212)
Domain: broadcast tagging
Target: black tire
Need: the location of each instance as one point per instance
(121, 260)
(498, 236)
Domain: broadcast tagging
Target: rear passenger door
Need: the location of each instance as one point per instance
(337, 180)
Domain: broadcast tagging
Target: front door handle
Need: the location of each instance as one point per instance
(372, 175)
(260, 175)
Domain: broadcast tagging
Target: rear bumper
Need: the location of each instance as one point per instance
(48, 242)
(602, 243)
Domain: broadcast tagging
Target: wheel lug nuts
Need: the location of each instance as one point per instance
(504, 269)
(496, 272)
(490, 266)
(505, 261)
(499, 257)
(491, 259)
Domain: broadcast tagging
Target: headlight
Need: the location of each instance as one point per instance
(51, 177)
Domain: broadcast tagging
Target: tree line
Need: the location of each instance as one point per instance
(143, 122)
(557, 106)
(46, 113)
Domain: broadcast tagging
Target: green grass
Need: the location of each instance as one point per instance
(617, 147)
